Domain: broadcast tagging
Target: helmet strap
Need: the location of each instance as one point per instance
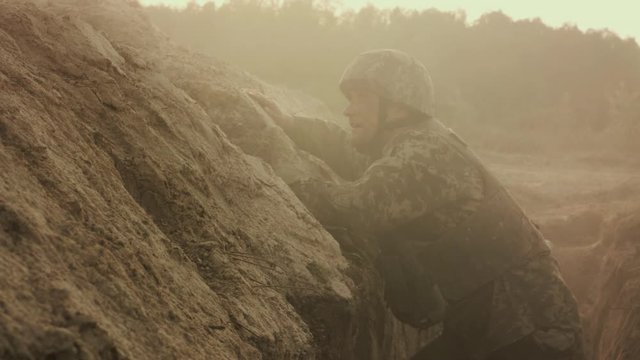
(374, 148)
(383, 114)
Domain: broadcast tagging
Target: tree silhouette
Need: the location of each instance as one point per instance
(494, 78)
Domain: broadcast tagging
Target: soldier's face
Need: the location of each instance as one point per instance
(362, 112)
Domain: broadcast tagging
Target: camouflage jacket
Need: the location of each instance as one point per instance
(419, 175)
(330, 143)
(403, 183)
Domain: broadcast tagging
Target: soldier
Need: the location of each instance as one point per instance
(454, 246)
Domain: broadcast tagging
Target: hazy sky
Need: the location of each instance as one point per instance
(619, 16)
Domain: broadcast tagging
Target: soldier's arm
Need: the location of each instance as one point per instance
(323, 139)
(329, 142)
(415, 179)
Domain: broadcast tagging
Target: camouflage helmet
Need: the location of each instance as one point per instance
(398, 77)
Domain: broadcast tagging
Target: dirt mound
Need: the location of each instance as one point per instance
(605, 277)
(614, 317)
(589, 213)
(132, 227)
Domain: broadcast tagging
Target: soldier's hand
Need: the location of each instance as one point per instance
(271, 108)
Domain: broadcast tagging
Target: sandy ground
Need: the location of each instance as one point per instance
(136, 221)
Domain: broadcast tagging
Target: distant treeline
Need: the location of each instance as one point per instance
(493, 77)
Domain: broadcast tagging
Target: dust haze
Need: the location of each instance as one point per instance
(144, 211)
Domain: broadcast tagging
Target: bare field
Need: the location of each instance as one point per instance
(568, 189)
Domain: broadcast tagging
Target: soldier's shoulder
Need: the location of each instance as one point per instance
(429, 138)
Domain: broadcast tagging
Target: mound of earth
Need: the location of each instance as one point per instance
(136, 221)
(589, 213)
(614, 315)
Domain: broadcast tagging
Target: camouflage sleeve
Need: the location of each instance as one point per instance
(417, 177)
(330, 143)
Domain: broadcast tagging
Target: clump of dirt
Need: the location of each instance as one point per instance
(131, 227)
